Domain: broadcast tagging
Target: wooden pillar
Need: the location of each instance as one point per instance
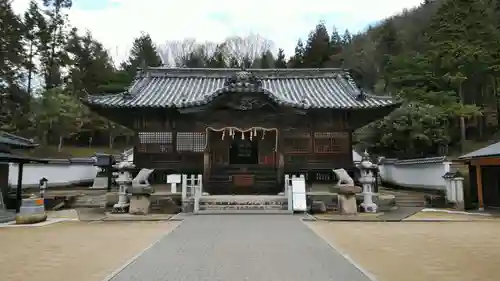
(173, 129)
(206, 158)
(280, 157)
(19, 186)
(479, 181)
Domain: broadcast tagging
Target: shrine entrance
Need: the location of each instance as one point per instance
(244, 151)
(242, 161)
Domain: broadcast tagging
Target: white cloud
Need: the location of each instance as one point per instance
(278, 20)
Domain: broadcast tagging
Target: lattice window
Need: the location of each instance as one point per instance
(155, 137)
(190, 141)
(155, 142)
(296, 159)
(331, 142)
(297, 143)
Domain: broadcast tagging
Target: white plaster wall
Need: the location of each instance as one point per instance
(356, 157)
(418, 174)
(56, 174)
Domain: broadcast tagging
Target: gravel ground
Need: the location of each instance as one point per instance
(73, 251)
(241, 247)
(450, 217)
(419, 251)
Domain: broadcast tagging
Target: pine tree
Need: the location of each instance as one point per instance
(217, 60)
(280, 59)
(336, 48)
(143, 52)
(317, 51)
(266, 60)
(91, 64)
(14, 102)
(347, 37)
(53, 41)
(34, 26)
(297, 60)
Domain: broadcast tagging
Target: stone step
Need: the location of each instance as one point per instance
(243, 207)
(90, 201)
(229, 212)
(6, 216)
(243, 203)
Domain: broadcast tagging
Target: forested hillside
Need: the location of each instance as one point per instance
(441, 59)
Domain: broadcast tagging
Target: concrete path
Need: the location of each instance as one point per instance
(241, 247)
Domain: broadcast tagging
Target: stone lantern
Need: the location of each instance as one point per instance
(367, 180)
(124, 180)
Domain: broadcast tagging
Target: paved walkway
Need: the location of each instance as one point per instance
(241, 247)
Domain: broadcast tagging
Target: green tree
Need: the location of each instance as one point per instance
(90, 66)
(280, 59)
(143, 52)
(317, 50)
(14, 100)
(52, 41)
(58, 115)
(217, 60)
(336, 48)
(35, 25)
(297, 60)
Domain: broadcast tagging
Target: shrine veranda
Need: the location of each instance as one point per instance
(243, 130)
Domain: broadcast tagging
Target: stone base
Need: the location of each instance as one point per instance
(111, 199)
(318, 207)
(347, 205)
(31, 218)
(167, 206)
(369, 208)
(139, 205)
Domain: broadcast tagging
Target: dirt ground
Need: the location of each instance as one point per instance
(450, 217)
(76, 251)
(419, 251)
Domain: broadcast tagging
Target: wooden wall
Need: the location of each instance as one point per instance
(314, 139)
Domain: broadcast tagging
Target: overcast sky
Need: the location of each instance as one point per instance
(116, 22)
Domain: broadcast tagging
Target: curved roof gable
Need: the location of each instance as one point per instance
(301, 88)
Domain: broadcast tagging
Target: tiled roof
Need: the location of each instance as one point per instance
(489, 151)
(16, 141)
(184, 87)
(13, 158)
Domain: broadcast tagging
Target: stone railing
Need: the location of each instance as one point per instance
(420, 173)
(58, 172)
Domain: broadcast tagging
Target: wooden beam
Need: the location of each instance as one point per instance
(479, 181)
(486, 162)
(206, 158)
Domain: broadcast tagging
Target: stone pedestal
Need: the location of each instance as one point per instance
(139, 204)
(32, 211)
(347, 205)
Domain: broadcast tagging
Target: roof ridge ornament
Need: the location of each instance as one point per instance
(243, 78)
(348, 76)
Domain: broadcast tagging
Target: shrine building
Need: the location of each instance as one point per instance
(243, 130)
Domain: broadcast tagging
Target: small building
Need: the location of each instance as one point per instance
(9, 145)
(484, 176)
(243, 129)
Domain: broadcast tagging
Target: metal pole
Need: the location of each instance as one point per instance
(19, 186)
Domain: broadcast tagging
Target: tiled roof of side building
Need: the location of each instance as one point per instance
(16, 141)
(489, 151)
(185, 87)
